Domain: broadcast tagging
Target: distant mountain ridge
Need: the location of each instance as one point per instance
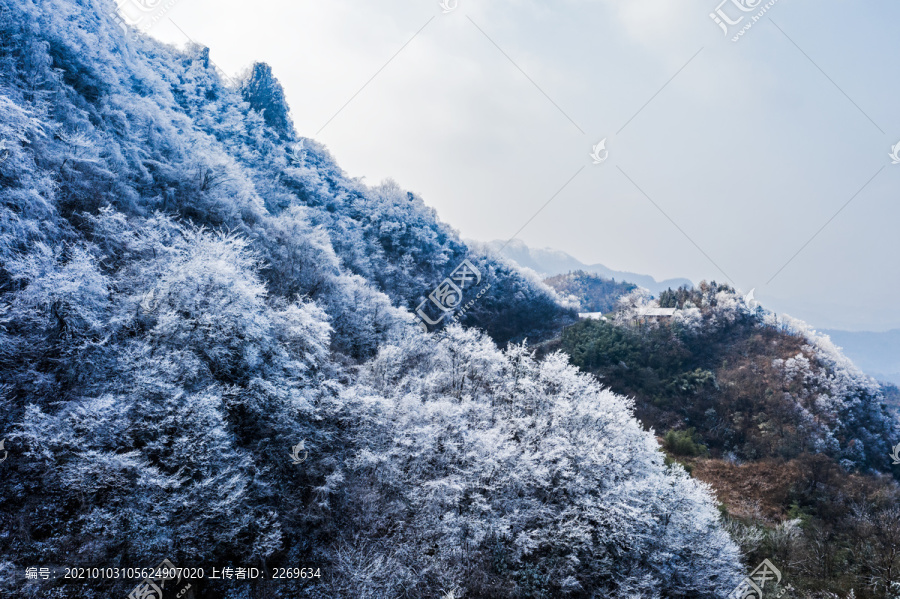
(548, 262)
(878, 354)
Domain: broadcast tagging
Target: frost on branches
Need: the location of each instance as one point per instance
(188, 290)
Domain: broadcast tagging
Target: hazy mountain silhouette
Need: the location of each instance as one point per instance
(548, 262)
(878, 354)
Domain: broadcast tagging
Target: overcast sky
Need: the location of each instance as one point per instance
(725, 158)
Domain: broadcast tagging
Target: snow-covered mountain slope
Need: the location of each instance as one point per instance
(208, 355)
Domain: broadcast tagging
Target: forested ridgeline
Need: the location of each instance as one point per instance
(793, 438)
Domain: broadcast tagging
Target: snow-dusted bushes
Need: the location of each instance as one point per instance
(477, 455)
(832, 406)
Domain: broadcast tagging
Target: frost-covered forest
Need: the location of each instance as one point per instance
(188, 290)
(760, 383)
(794, 440)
